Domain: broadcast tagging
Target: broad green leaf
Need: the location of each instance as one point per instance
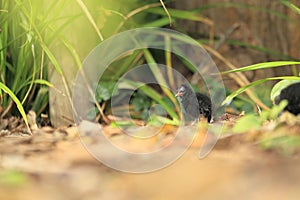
(105, 90)
(92, 113)
(140, 101)
(246, 123)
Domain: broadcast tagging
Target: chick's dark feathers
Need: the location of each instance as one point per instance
(194, 104)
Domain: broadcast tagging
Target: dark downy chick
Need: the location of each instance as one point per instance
(194, 104)
(292, 95)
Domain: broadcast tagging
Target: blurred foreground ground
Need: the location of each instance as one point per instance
(56, 166)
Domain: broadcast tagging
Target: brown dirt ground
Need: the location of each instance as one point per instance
(53, 164)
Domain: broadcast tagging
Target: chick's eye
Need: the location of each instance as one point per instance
(182, 89)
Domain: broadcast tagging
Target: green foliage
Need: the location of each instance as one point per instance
(259, 66)
(29, 28)
(105, 90)
(12, 178)
(157, 98)
(285, 144)
(248, 122)
(242, 103)
(154, 114)
(230, 97)
(141, 103)
(254, 121)
(23, 52)
(41, 100)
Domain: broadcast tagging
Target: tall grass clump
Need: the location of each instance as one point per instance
(21, 59)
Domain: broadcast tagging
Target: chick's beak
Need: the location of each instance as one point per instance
(179, 94)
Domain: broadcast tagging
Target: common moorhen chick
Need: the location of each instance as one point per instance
(192, 107)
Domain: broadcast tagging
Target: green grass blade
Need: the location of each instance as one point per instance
(264, 65)
(291, 6)
(52, 59)
(182, 14)
(255, 83)
(154, 95)
(188, 64)
(158, 23)
(73, 52)
(157, 74)
(43, 82)
(16, 100)
(127, 64)
(154, 68)
(41, 41)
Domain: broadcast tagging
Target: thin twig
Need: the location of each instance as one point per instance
(7, 109)
(227, 34)
(134, 12)
(238, 77)
(167, 12)
(106, 120)
(90, 18)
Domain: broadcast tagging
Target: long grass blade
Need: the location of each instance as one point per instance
(17, 102)
(291, 6)
(157, 74)
(155, 96)
(182, 14)
(255, 83)
(264, 65)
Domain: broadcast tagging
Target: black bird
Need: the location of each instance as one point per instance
(292, 95)
(194, 104)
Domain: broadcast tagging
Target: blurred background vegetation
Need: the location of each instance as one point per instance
(43, 43)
